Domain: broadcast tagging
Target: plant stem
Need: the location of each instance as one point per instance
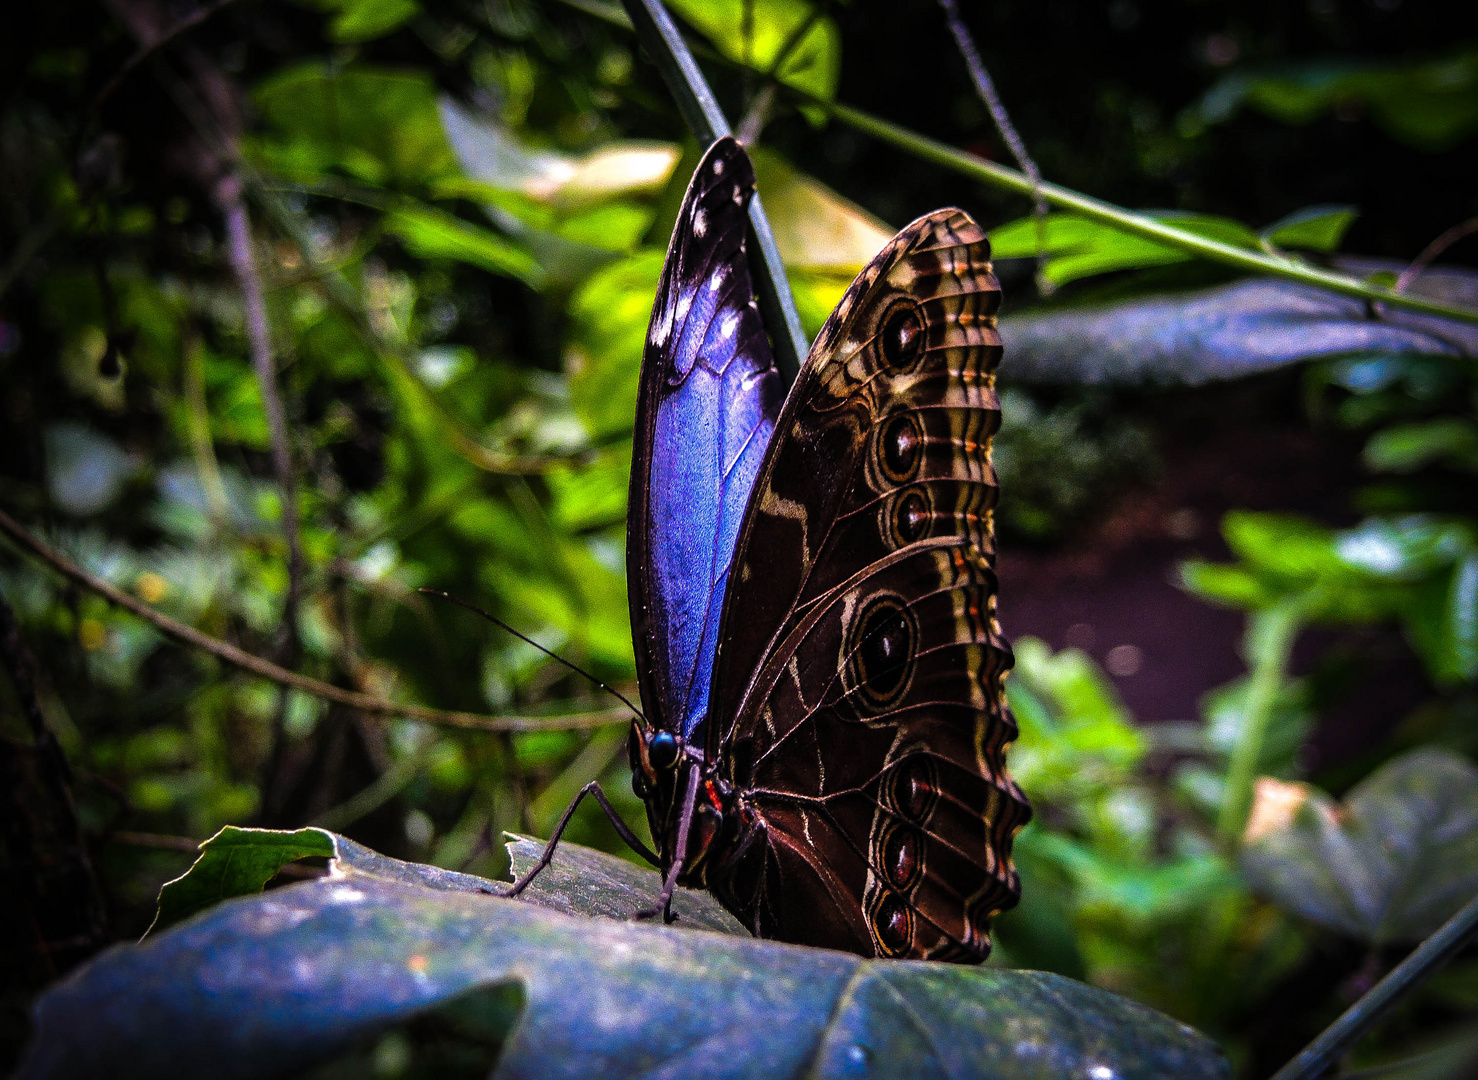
(1270, 637)
(1425, 960)
(1000, 176)
(256, 665)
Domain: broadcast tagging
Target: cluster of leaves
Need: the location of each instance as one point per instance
(459, 245)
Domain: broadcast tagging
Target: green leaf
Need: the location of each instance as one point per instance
(1408, 447)
(1431, 104)
(1314, 228)
(281, 982)
(1078, 247)
(432, 234)
(365, 20)
(1392, 863)
(376, 125)
(813, 65)
(235, 862)
(1462, 607)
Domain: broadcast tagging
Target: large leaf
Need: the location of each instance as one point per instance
(1227, 332)
(1392, 863)
(283, 981)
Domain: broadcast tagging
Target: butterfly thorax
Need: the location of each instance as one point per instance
(723, 825)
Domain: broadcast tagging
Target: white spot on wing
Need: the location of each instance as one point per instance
(718, 278)
(738, 195)
(700, 222)
(718, 168)
(662, 328)
(684, 302)
(726, 327)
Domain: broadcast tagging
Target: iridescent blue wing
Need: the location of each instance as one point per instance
(705, 411)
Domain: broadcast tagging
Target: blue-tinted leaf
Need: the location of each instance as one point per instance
(85, 469)
(278, 983)
(1404, 548)
(1227, 332)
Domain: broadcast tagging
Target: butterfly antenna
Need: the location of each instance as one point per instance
(524, 637)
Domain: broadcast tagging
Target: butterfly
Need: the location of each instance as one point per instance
(813, 594)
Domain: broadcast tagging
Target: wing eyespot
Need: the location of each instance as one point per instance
(883, 646)
(911, 518)
(892, 924)
(900, 448)
(901, 336)
(902, 857)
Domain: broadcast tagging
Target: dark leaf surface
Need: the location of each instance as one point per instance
(1227, 332)
(583, 881)
(277, 983)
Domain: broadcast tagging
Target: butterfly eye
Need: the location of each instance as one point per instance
(902, 446)
(902, 338)
(662, 750)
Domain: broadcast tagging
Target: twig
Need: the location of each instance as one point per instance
(1425, 960)
(188, 22)
(1431, 251)
(259, 338)
(986, 88)
(265, 669)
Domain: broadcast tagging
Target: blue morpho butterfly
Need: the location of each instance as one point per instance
(813, 594)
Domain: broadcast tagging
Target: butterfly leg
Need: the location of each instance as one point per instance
(592, 788)
(684, 823)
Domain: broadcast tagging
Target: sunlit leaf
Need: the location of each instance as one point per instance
(755, 31)
(432, 234)
(1078, 247)
(1314, 228)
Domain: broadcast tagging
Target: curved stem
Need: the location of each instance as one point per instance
(256, 665)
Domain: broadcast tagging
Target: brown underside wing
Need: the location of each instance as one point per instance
(859, 653)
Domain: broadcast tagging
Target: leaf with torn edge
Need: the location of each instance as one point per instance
(1391, 863)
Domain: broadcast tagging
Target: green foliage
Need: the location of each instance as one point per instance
(1431, 103)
